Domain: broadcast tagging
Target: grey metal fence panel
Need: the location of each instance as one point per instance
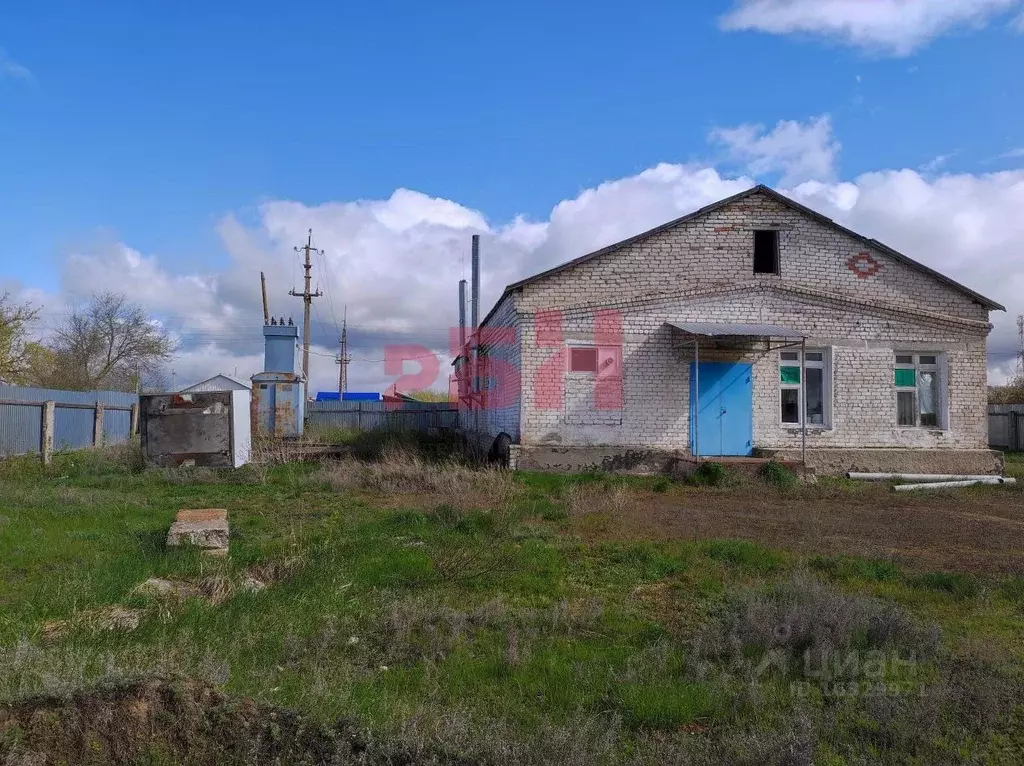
(1006, 427)
(373, 416)
(73, 427)
(117, 426)
(21, 429)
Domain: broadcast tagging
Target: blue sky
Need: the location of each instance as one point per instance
(149, 125)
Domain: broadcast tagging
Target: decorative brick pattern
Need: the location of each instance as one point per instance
(863, 265)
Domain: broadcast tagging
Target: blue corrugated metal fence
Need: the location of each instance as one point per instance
(21, 418)
(372, 416)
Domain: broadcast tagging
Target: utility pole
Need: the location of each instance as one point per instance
(266, 306)
(344, 358)
(307, 299)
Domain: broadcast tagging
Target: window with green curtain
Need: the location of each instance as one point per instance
(790, 375)
(906, 378)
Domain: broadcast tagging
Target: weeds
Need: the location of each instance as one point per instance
(954, 583)
(809, 627)
(401, 471)
(475, 548)
(710, 475)
(777, 475)
(849, 568)
(743, 554)
(592, 498)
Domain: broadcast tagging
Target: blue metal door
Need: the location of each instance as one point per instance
(721, 412)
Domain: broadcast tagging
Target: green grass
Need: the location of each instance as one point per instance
(848, 568)
(1015, 465)
(954, 583)
(445, 612)
(744, 555)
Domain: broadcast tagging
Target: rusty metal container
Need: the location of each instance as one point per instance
(206, 428)
(278, 404)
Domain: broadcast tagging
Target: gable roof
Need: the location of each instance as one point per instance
(196, 386)
(783, 199)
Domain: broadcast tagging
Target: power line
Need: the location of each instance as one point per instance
(362, 359)
(327, 289)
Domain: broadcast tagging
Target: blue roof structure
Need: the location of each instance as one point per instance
(348, 396)
(360, 396)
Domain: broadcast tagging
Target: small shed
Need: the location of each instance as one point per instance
(220, 382)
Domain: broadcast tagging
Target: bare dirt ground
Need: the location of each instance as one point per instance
(980, 531)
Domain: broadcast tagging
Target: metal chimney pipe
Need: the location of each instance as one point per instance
(462, 315)
(476, 282)
(475, 386)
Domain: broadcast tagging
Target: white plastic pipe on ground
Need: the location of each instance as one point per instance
(954, 484)
(920, 477)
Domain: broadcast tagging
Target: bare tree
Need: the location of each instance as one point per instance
(111, 343)
(1011, 393)
(14, 343)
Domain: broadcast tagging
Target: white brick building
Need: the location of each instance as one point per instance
(592, 363)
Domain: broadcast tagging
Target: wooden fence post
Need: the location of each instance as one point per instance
(135, 420)
(46, 439)
(97, 425)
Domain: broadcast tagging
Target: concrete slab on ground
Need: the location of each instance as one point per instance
(202, 514)
(205, 528)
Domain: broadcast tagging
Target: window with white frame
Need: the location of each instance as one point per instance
(816, 368)
(919, 392)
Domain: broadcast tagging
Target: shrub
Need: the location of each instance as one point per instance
(409, 519)
(954, 583)
(849, 568)
(804, 621)
(778, 475)
(710, 475)
(1013, 590)
(743, 554)
(666, 703)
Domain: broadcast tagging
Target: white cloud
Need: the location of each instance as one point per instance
(396, 262)
(896, 27)
(1013, 154)
(936, 163)
(11, 68)
(797, 151)
(964, 226)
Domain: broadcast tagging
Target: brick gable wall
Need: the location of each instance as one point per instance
(856, 302)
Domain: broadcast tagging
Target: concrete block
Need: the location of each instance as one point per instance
(205, 528)
(202, 514)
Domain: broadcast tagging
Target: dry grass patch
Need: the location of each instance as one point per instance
(804, 624)
(403, 471)
(584, 499)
